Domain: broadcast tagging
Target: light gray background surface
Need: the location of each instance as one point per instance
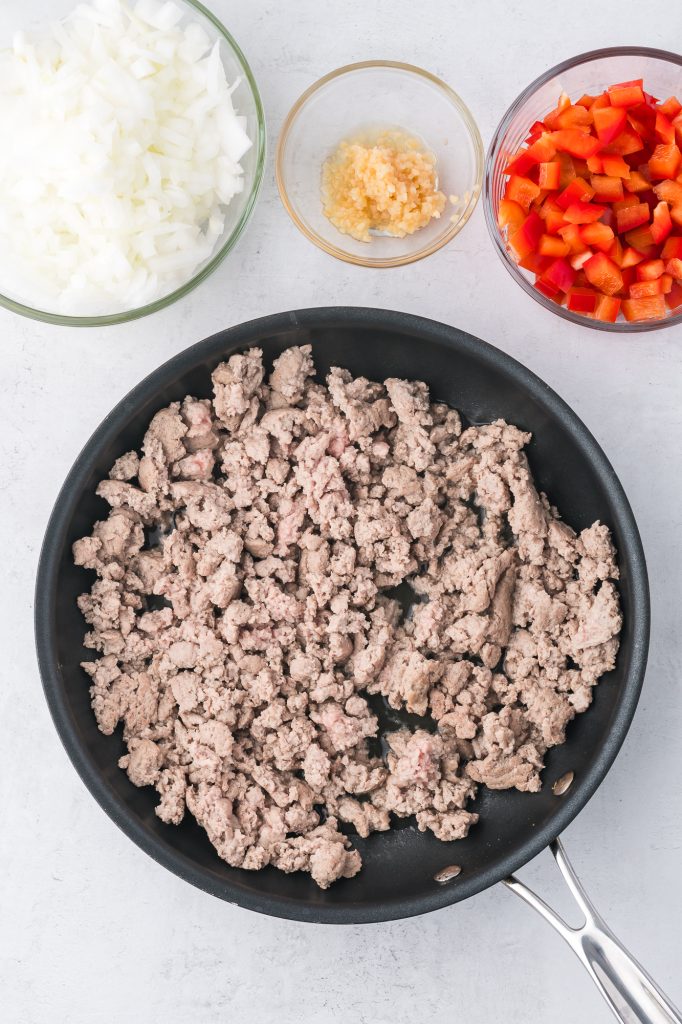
(91, 930)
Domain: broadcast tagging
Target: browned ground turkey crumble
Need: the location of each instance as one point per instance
(287, 511)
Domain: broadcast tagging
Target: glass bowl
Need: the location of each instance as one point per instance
(366, 99)
(591, 73)
(32, 16)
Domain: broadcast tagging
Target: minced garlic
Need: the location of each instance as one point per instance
(389, 186)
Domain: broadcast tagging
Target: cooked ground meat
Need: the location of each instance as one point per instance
(238, 650)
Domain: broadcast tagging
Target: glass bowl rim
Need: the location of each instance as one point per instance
(472, 132)
(128, 315)
(623, 327)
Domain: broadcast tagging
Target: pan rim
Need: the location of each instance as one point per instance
(240, 336)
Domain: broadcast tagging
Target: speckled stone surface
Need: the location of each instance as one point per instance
(91, 930)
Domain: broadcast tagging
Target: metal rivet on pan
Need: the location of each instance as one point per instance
(447, 874)
(563, 784)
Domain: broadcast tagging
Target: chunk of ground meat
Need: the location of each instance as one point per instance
(244, 622)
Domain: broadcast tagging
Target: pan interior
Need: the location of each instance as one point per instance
(397, 878)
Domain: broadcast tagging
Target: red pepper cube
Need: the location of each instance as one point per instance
(643, 289)
(674, 267)
(626, 143)
(676, 215)
(670, 108)
(571, 235)
(616, 252)
(550, 290)
(666, 282)
(550, 245)
(607, 308)
(573, 117)
(613, 165)
(609, 123)
(637, 182)
(585, 213)
(599, 236)
(652, 308)
(674, 297)
(510, 215)
(672, 250)
(649, 270)
(521, 163)
(524, 241)
(606, 188)
(665, 161)
(560, 274)
(577, 191)
(603, 274)
(632, 217)
(661, 224)
(626, 94)
(630, 258)
(576, 143)
(581, 300)
(669, 191)
(549, 175)
(522, 191)
(665, 129)
(579, 259)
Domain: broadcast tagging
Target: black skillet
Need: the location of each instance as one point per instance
(397, 878)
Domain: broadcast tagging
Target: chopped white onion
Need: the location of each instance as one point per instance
(121, 149)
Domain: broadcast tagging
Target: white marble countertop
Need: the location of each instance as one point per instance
(91, 930)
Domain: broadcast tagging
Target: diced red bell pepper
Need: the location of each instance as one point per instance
(550, 245)
(626, 94)
(649, 270)
(627, 142)
(643, 119)
(670, 191)
(674, 268)
(567, 169)
(652, 308)
(616, 252)
(665, 161)
(585, 213)
(641, 240)
(542, 149)
(614, 165)
(602, 100)
(674, 297)
(609, 123)
(637, 182)
(581, 300)
(666, 281)
(524, 241)
(676, 215)
(577, 191)
(670, 108)
(579, 259)
(661, 224)
(548, 289)
(665, 129)
(672, 250)
(510, 215)
(628, 279)
(576, 143)
(586, 100)
(607, 308)
(552, 215)
(560, 273)
(632, 217)
(603, 274)
(573, 117)
(536, 129)
(606, 188)
(630, 258)
(595, 164)
(549, 174)
(625, 202)
(642, 289)
(521, 163)
(522, 191)
(571, 235)
(598, 236)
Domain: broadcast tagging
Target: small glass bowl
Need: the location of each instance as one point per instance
(31, 16)
(587, 73)
(366, 99)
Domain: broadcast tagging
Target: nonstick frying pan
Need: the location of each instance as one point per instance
(398, 875)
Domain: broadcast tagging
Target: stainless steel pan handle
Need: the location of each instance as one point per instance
(625, 985)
